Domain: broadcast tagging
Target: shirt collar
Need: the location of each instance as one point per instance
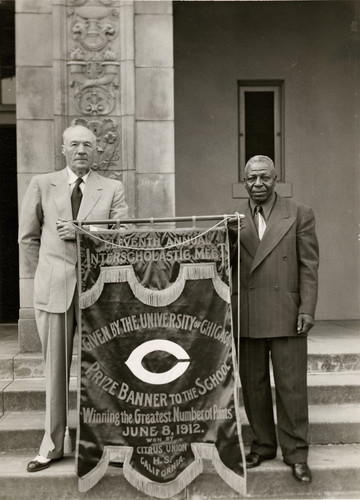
(73, 177)
(267, 206)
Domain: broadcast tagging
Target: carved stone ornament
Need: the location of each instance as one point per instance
(92, 62)
(108, 143)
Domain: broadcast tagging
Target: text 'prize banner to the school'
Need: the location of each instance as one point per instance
(157, 389)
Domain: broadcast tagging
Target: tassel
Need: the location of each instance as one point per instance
(67, 442)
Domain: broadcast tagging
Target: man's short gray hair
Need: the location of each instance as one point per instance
(77, 125)
(260, 159)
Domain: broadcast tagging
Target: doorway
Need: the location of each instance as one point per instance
(9, 255)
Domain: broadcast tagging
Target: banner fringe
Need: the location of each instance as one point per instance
(198, 271)
(221, 289)
(115, 274)
(116, 453)
(237, 389)
(209, 451)
(155, 298)
(232, 479)
(158, 298)
(202, 451)
(163, 490)
(86, 482)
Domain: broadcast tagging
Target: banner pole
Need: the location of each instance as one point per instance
(153, 220)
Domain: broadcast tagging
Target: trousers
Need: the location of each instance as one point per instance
(288, 356)
(51, 329)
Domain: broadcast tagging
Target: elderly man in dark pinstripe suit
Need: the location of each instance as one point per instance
(278, 293)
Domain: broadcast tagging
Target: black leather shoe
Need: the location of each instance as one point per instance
(116, 464)
(253, 459)
(301, 472)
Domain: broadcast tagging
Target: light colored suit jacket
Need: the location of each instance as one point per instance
(42, 252)
(278, 275)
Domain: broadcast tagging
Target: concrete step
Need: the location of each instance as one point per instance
(336, 474)
(336, 424)
(29, 395)
(30, 365)
(333, 362)
(20, 430)
(334, 387)
(325, 388)
(15, 365)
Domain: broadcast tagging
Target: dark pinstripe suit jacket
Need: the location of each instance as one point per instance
(278, 275)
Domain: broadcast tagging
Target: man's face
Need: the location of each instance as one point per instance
(260, 180)
(79, 149)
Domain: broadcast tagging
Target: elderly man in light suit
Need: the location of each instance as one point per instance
(279, 259)
(48, 251)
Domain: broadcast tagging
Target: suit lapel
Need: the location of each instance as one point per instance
(92, 193)
(277, 226)
(249, 236)
(61, 194)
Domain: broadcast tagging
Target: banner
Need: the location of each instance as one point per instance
(158, 389)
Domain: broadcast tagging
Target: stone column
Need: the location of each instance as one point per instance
(154, 112)
(35, 125)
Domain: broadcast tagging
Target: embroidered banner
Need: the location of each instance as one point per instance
(158, 389)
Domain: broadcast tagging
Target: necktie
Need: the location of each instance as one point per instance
(260, 221)
(76, 196)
